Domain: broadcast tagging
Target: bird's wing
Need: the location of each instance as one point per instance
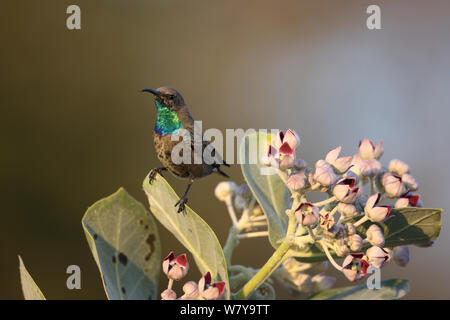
(208, 150)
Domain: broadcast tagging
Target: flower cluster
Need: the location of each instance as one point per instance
(356, 187)
(177, 268)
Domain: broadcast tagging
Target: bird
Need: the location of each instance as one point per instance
(172, 115)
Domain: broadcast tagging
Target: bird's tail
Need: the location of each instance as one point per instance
(219, 171)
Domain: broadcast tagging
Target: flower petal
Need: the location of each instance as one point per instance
(292, 138)
(333, 155)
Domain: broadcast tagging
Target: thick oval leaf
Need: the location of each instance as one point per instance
(29, 288)
(391, 289)
(270, 191)
(409, 226)
(191, 230)
(124, 240)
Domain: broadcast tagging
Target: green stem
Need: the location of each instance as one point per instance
(232, 242)
(272, 264)
(233, 239)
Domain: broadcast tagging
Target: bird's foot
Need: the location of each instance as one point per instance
(154, 172)
(181, 204)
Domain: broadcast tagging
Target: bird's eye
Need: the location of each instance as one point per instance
(172, 96)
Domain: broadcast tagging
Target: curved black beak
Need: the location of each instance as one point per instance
(152, 91)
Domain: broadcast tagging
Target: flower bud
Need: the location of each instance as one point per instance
(408, 200)
(326, 220)
(287, 142)
(374, 212)
(410, 183)
(379, 150)
(350, 228)
(239, 203)
(347, 210)
(355, 165)
(341, 248)
(377, 256)
(297, 181)
(340, 164)
(401, 203)
(209, 290)
(367, 150)
(355, 242)
(190, 289)
(175, 268)
(375, 236)
(244, 191)
(224, 190)
(393, 185)
(398, 167)
(344, 190)
(299, 164)
(324, 175)
(307, 214)
(168, 294)
(401, 255)
(286, 162)
(321, 163)
(355, 266)
(321, 282)
(370, 167)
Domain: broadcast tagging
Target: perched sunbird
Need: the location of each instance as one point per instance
(172, 115)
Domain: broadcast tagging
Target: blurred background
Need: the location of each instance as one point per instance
(74, 126)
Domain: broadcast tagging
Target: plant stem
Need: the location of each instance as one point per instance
(253, 234)
(257, 224)
(232, 242)
(311, 233)
(170, 284)
(324, 202)
(273, 263)
(330, 257)
(360, 221)
(231, 212)
(259, 218)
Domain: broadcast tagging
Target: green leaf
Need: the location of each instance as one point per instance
(391, 289)
(191, 230)
(270, 191)
(124, 240)
(409, 226)
(29, 288)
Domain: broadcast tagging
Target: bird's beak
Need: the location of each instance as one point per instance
(152, 91)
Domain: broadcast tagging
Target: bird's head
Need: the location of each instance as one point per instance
(167, 97)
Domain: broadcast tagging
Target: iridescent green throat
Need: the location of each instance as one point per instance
(167, 121)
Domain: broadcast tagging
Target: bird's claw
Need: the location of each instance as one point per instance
(153, 173)
(181, 204)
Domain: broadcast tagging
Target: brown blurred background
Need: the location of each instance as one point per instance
(75, 126)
